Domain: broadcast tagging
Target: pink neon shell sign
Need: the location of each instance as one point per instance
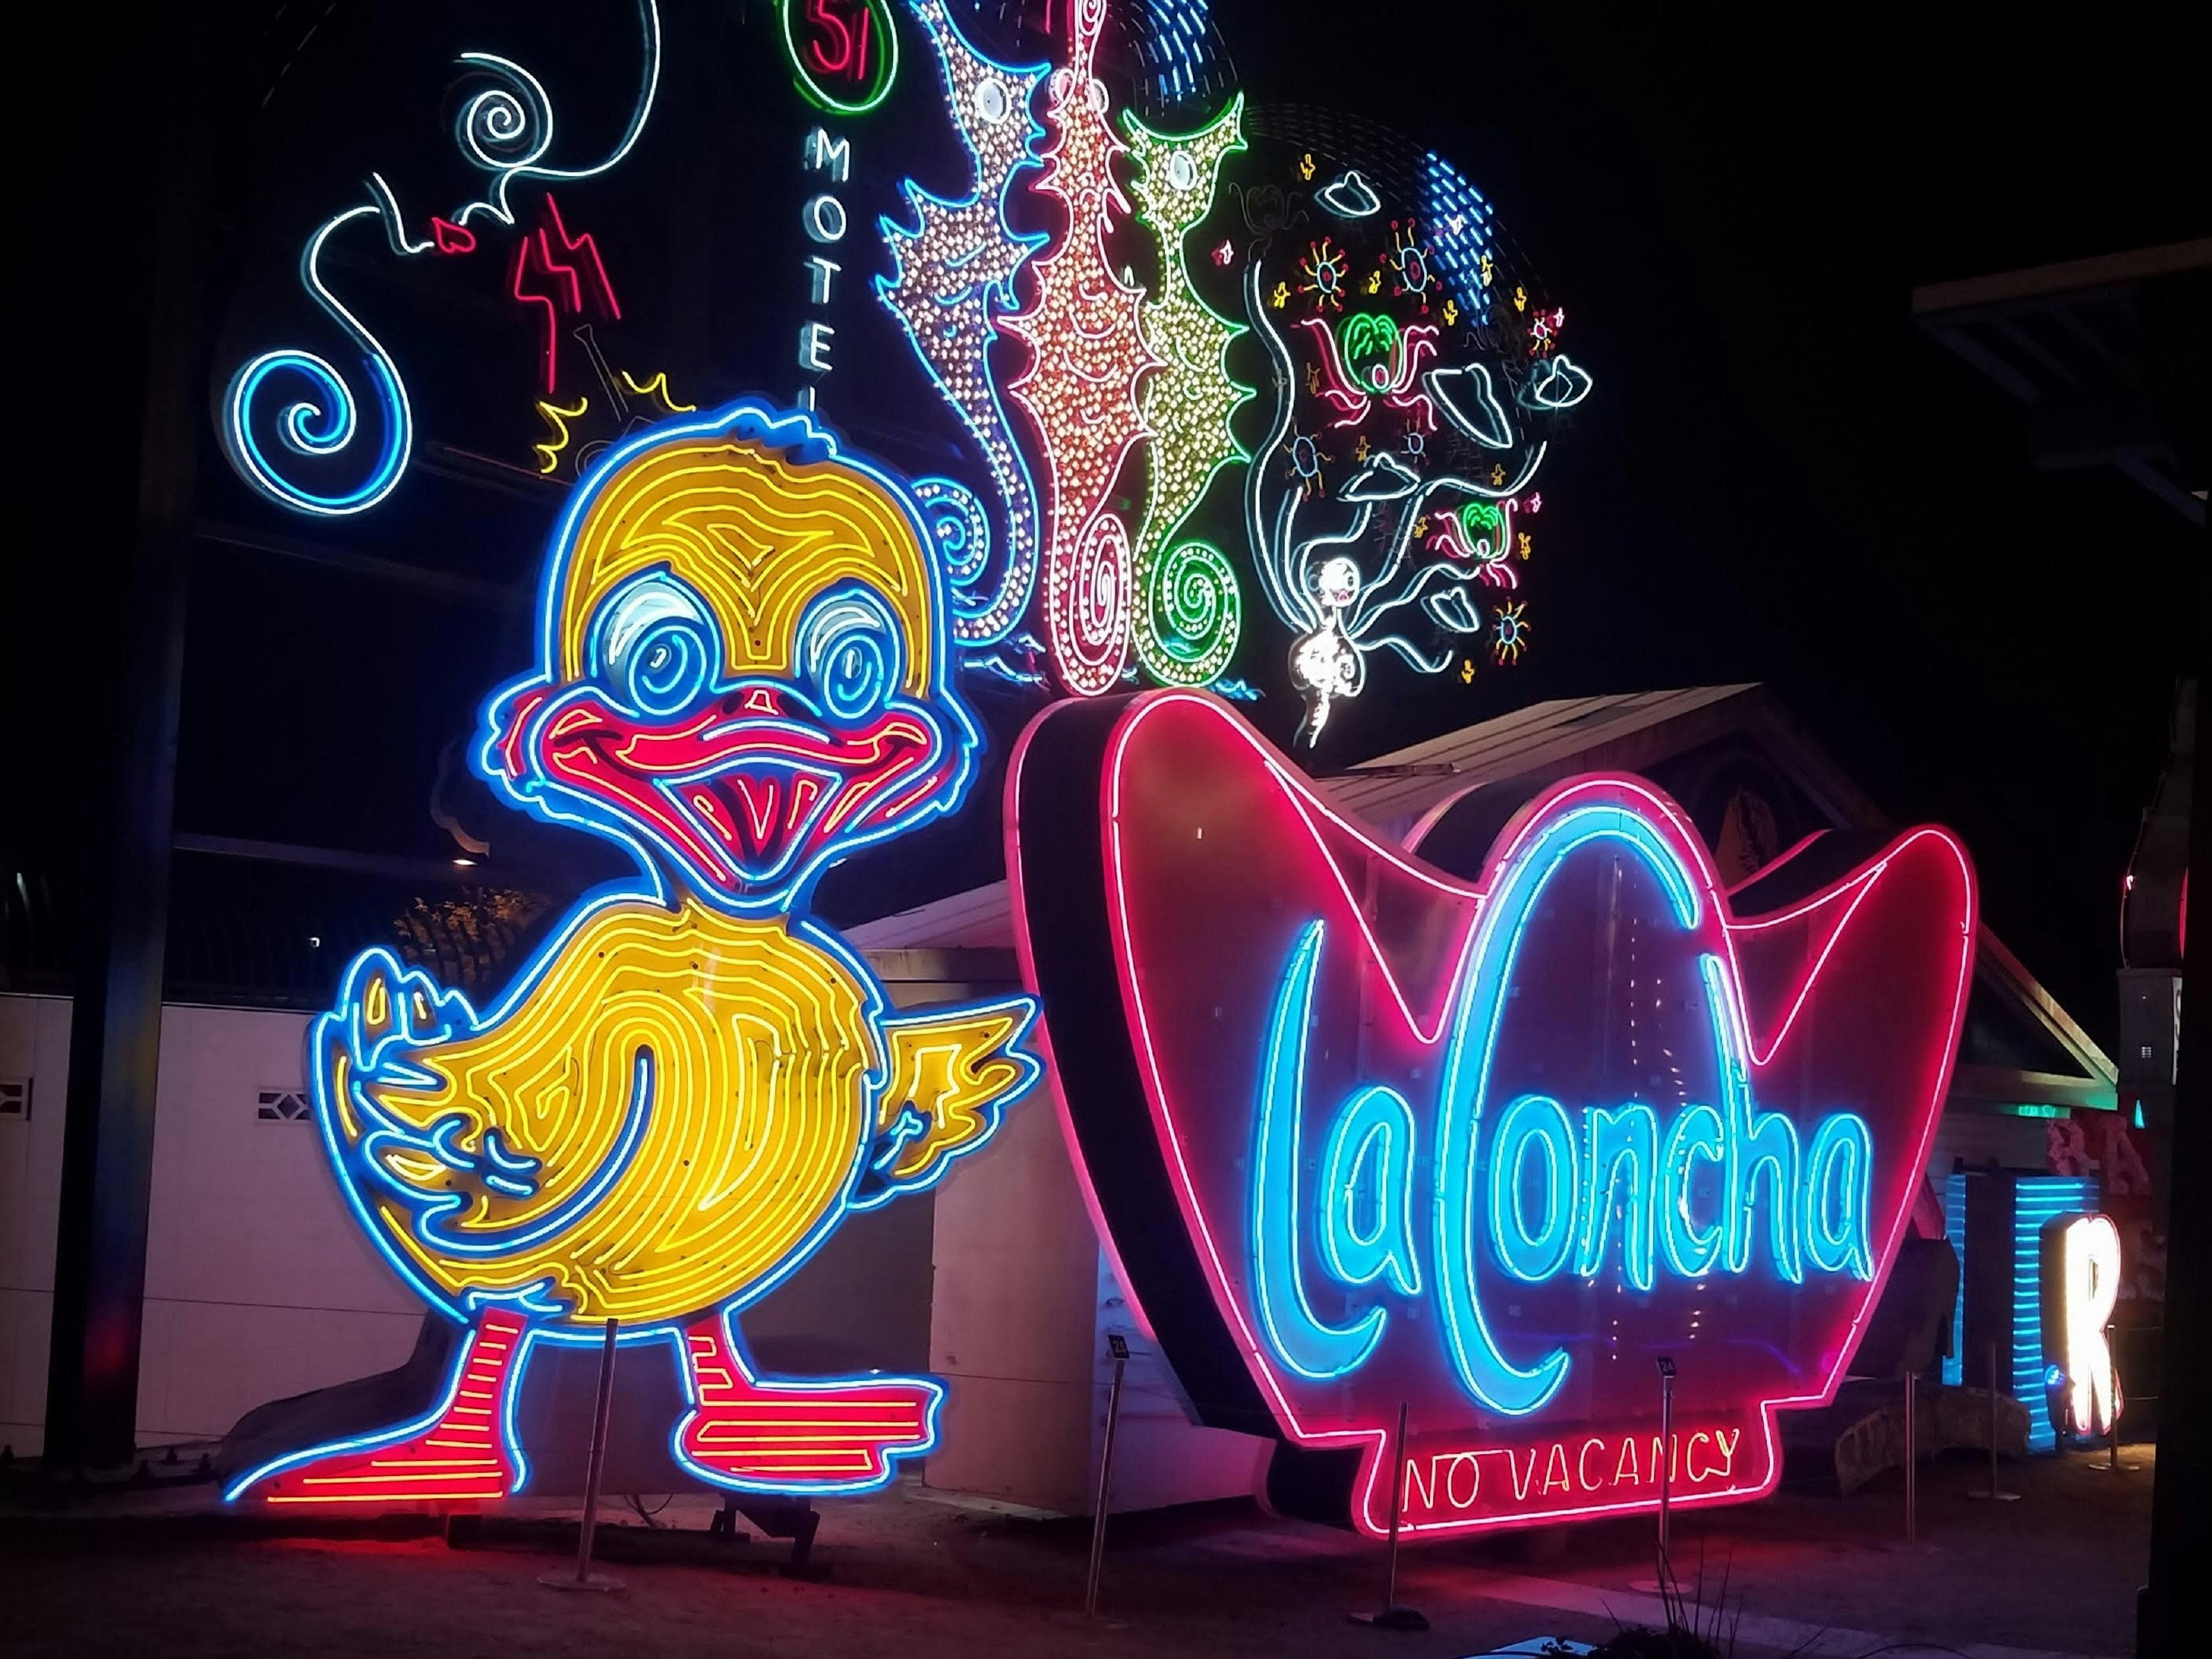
(1287, 981)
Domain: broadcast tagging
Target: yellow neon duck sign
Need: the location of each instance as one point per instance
(742, 676)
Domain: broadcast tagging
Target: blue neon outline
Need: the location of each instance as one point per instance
(1851, 1249)
(367, 1443)
(984, 419)
(338, 416)
(1615, 1135)
(994, 1111)
(742, 1357)
(1299, 1338)
(1534, 1259)
(1493, 1380)
(1376, 1112)
(1954, 1230)
(748, 420)
(1690, 1250)
(1748, 1150)
(853, 610)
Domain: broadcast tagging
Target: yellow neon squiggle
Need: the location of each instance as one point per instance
(657, 387)
(558, 419)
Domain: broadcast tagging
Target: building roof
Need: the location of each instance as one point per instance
(2094, 349)
(2021, 1047)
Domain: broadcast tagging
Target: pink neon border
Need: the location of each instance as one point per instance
(1696, 862)
(1041, 1032)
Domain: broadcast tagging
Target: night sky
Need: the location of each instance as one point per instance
(1779, 477)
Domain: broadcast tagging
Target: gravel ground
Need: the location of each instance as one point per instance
(2056, 1572)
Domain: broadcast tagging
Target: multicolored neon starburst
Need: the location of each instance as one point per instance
(1088, 355)
(1511, 638)
(1325, 270)
(1188, 608)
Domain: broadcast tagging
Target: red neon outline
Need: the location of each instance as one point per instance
(582, 244)
(1674, 830)
(452, 238)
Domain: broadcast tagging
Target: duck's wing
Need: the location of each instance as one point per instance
(949, 1072)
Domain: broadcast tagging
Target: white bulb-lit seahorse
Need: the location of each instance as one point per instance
(952, 276)
(1088, 359)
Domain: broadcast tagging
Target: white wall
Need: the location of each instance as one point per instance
(257, 1283)
(33, 1045)
(1024, 1305)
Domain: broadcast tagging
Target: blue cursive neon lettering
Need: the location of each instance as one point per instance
(1533, 1189)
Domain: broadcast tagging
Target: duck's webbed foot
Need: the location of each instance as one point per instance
(839, 1436)
(457, 1454)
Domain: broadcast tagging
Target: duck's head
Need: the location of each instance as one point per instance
(741, 666)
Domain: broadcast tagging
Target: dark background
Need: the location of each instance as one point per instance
(1778, 478)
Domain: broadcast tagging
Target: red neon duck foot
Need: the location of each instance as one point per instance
(798, 1436)
(457, 1456)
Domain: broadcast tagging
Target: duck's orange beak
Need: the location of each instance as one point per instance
(750, 791)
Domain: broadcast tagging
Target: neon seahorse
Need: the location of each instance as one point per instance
(1088, 355)
(952, 276)
(1189, 609)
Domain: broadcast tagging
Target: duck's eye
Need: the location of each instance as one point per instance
(657, 646)
(849, 652)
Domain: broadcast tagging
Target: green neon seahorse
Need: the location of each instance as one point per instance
(1189, 609)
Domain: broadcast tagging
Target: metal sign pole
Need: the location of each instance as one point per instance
(1121, 1351)
(1397, 1492)
(1394, 1617)
(595, 1463)
(1666, 1458)
(2112, 1423)
(1912, 1455)
(1997, 1493)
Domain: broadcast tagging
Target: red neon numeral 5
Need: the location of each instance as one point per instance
(850, 56)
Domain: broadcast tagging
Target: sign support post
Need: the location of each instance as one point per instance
(1912, 1454)
(2112, 1428)
(1995, 1494)
(1666, 1457)
(602, 1410)
(1119, 1346)
(1394, 1617)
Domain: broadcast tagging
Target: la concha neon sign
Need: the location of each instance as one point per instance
(1487, 1149)
(742, 674)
